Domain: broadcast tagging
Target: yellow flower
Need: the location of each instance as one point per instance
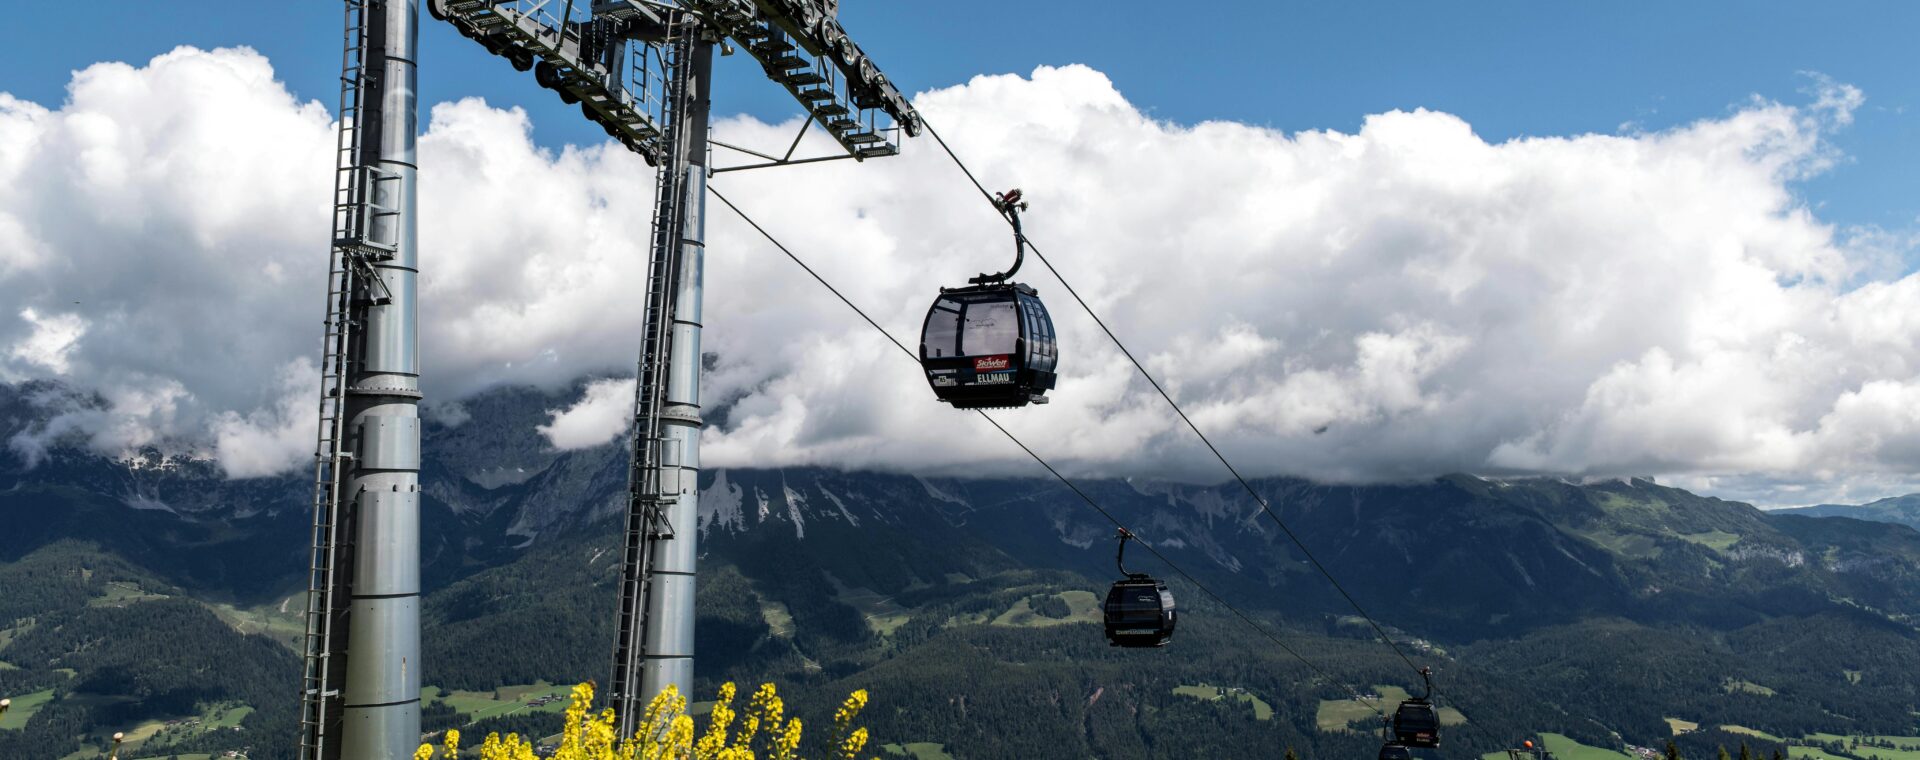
(767, 711)
(856, 742)
(717, 723)
(666, 732)
(847, 741)
(787, 744)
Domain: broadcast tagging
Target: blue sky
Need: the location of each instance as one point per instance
(1509, 68)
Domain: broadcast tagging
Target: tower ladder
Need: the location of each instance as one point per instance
(350, 285)
(647, 495)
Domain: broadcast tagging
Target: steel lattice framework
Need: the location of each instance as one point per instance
(610, 57)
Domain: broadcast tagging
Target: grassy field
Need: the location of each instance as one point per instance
(1679, 726)
(121, 594)
(1753, 732)
(1084, 605)
(140, 734)
(1341, 714)
(1568, 749)
(1563, 748)
(7, 635)
(1809, 753)
(1261, 710)
(917, 751)
(221, 717)
(1746, 687)
(24, 707)
(1629, 544)
(1717, 540)
(230, 718)
(284, 622)
(512, 699)
(883, 615)
(779, 619)
(1906, 747)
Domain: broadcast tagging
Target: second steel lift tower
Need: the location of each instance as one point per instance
(642, 70)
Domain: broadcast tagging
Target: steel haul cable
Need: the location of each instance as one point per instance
(1317, 670)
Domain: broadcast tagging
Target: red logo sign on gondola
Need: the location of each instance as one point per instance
(991, 363)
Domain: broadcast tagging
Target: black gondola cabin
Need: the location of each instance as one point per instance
(988, 346)
(1395, 752)
(1139, 613)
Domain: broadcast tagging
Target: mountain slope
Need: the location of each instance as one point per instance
(1899, 510)
(1591, 609)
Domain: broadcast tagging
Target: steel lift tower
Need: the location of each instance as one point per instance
(360, 693)
(642, 70)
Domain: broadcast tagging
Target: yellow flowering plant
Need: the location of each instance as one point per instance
(666, 732)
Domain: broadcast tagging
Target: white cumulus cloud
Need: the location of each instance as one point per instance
(52, 338)
(155, 232)
(604, 412)
(268, 440)
(1397, 302)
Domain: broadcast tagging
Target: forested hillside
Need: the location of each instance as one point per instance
(155, 598)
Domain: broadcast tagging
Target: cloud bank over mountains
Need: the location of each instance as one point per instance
(1400, 302)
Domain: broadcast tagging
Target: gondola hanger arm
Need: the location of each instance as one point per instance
(1009, 204)
(1120, 557)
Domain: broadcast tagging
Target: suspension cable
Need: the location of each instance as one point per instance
(1257, 498)
(1262, 630)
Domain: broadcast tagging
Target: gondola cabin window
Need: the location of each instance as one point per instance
(990, 328)
(943, 329)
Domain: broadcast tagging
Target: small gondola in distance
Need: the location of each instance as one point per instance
(1139, 610)
(1395, 752)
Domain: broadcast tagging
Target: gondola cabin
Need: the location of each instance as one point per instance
(1139, 613)
(989, 346)
(1395, 752)
(1417, 724)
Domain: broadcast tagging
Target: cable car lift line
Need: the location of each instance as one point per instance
(1215, 450)
(1317, 670)
(1264, 507)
